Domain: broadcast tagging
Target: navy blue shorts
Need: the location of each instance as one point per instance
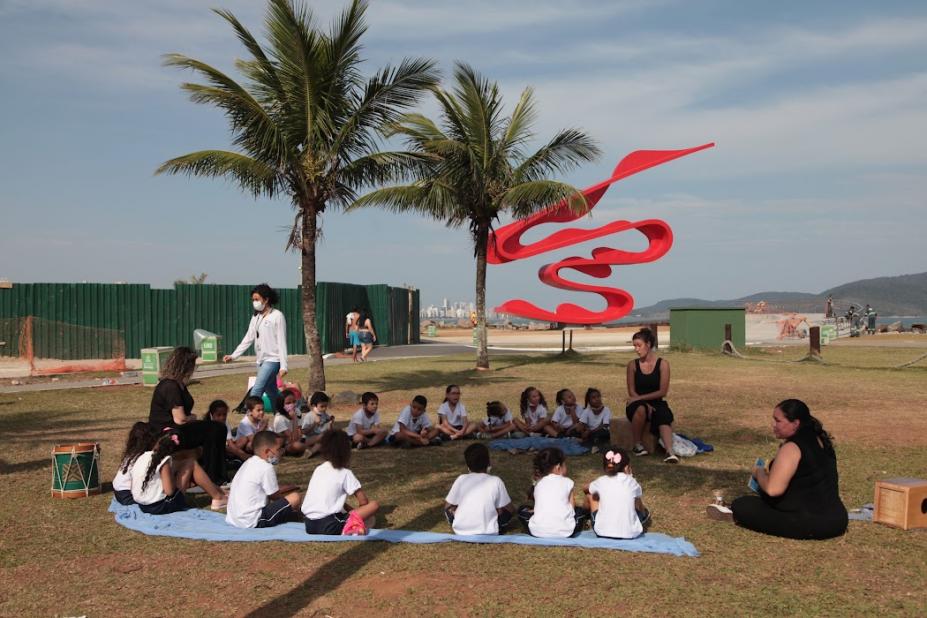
(173, 503)
(330, 524)
(124, 496)
(274, 513)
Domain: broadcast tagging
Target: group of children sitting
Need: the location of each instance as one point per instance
(154, 472)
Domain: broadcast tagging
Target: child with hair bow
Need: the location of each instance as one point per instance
(614, 499)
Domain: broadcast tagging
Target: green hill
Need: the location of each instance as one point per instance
(901, 295)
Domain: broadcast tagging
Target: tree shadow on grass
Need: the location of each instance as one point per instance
(23, 466)
(333, 573)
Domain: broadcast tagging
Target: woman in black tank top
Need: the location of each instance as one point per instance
(798, 496)
(648, 383)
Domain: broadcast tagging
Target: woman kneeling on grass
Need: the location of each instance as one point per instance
(798, 496)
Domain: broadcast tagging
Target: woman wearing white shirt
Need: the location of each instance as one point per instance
(267, 331)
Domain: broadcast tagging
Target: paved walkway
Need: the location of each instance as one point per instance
(246, 365)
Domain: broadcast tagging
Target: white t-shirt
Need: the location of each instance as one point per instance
(282, 423)
(268, 334)
(532, 417)
(477, 496)
(316, 422)
(246, 427)
(592, 420)
(154, 491)
(360, 420)
(563, 418)
(327, 491)
(456, 417)
(228, 432)
(123, 480)
(415, 425)
(553, 514)
(617, 517)
(254, 481)
(499, 421)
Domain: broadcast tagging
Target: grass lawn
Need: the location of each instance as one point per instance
(68, 557)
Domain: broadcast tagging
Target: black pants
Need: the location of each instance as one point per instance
(210, 436)
(753, 513)
(601, 436)
(504, 519)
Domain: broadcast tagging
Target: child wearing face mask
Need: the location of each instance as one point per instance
(285, 424)
(255, 499)
(253, 423)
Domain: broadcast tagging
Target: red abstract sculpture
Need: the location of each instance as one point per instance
(505, 246)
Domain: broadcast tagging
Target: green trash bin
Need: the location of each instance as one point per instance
(153, 360)
(432, 330)
(208, 345)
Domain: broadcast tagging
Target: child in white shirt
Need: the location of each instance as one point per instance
(414, 427)
(498, 423)
(141, 438)
(564, 423)
(252, 423)
(452, 417)
(533, 413)
(595, 422)
(158, 482)
(316, 421)
(255, 498)
(364, 426)
(285, 424)
(553, 514)
(615, 499)
(331, 483)
(478, 503)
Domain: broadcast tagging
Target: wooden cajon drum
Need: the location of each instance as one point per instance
(622, 437)
(901, 503)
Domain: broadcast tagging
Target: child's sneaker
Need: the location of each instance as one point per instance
(218, 505)
(671, 459)
(594, 450)
(436, 442)
(639, 450)
(719, 512)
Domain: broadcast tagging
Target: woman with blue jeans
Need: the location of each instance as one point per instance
(267, 331)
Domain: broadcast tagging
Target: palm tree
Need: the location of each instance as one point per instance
(305, 125)
(474, 168)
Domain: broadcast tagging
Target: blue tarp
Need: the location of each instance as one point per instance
(206, 525)
(567, 445)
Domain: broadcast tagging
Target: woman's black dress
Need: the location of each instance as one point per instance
(209, 435)
(810, 508)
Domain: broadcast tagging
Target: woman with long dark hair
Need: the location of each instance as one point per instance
(797, 495)
(267, 331)
(172, 409)
(365, 333)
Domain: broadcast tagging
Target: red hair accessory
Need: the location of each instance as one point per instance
(175, 439)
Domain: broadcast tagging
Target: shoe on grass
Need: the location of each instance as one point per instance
(671, 459)
(639, 450)
(196, 489)
(218, 505)
(594, 450)
(719, 512)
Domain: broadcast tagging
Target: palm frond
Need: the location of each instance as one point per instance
(251, 175)
(527, 198)
(565, 151)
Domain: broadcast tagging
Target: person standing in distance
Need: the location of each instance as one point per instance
(267, 331)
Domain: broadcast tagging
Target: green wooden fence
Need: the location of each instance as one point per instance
(149, 317)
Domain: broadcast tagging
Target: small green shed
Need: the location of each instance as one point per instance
(703, 327)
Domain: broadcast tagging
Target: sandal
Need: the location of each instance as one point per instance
(218, 505)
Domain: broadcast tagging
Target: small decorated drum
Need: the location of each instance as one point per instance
(76, 470)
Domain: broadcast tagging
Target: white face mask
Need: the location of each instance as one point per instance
(258, 305)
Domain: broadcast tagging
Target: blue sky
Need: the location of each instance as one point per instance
(818, 111)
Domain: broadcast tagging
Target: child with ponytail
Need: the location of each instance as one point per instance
(614, 499)
(158, 482)
(554, 514)
(140, 439)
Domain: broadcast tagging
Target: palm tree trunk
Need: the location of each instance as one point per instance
(310, 328)
(482, 351)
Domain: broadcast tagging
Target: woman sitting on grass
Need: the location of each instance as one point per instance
(798, 496)
(648, 379)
